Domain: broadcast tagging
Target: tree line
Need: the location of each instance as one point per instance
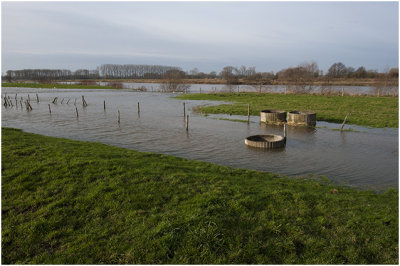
(307, 72)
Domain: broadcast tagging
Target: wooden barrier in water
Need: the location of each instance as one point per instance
(138, 107)
(119, 120)
(187, 122)
(84, 103)
(37, 97)
(104, 105)
(276, 117)
(28, 106)
(302, 118)
(49, 109)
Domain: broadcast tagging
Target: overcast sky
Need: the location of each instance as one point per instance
(207, 35)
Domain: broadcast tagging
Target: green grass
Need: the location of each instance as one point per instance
(232, 120)
(72, 202)
(365, 110)
(55, 86)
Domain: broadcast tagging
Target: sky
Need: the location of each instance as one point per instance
(270, 36)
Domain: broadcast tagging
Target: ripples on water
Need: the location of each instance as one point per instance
(366, 159)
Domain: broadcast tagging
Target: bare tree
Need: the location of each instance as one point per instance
(227, 73)
(174, 81)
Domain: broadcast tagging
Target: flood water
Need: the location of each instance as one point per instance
(206, 88)
(367, 159)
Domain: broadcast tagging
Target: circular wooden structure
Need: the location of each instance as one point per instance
(302, 118)
(277, 117)
(266, 141)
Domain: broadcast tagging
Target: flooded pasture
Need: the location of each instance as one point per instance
(209, 88)
(366, 158)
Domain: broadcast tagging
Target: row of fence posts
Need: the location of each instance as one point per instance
(8, 103)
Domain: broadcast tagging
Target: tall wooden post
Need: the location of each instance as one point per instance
(187, 122)
(119, 120)
(49, 108)
(248, 113)
(138, 107)
(76, 110)
(184, 110)
(37, 97)
(284, 131)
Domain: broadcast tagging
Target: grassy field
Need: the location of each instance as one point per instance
(55, 86)
(72, 202)
(365, 111)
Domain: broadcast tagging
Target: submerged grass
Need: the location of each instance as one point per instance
(55, 86)
(365, 110)
(232, 120)
(74, 202)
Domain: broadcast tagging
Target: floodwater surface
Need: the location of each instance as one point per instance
(367, 158)
(206, 88)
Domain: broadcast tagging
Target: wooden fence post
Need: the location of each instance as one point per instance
(248, 113)
(344, 121)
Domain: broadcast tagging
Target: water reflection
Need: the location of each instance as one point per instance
(362, 159)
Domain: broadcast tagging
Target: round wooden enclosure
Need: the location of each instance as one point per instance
(276, 117)
(302, 118)
(265, 141)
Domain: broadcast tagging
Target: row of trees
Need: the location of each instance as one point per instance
(134, 71)
(307, 72)
(339, 70)
(109, 71)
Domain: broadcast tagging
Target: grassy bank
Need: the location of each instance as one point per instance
(365, 111)
(54, 86)
(74, 202)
